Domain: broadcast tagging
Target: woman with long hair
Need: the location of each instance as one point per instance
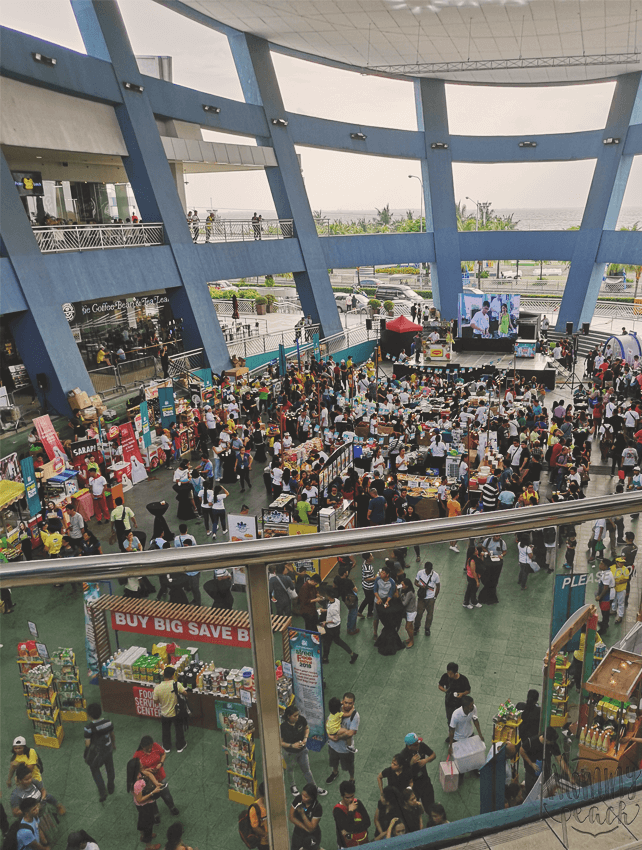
(218, 509)
(472, 579)
(411, 811)
(81, 840)
(409, 602)
(152, 757)
(175, 837)
(144, 788)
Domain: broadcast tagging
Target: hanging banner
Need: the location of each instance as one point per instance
(31, 486)
(91, 593)
(144, 424)
(307, 679)
(131, 453)
(167, 409)
(49, 438)
(10, 468)
(241, 527)
(186, 629)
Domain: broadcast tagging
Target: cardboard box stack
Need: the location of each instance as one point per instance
(89, 407)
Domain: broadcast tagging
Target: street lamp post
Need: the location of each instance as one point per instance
(477, 205)
(421, 218)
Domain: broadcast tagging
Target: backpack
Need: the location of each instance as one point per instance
(99, 748)
(246, 831)
(11, 838)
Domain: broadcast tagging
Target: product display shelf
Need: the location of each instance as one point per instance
(241, 762)
(43, 709)
(559, 713)
(70, 692)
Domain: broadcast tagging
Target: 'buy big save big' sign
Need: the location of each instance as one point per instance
(174, 629)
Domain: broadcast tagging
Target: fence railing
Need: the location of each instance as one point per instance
(185, 361)
(242, 230)
(223, 306)
(109, 380)
(92, 237)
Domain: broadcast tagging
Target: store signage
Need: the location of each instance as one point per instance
(145, 705)
(87, 309)
(307, 679)
(31, 485)
(28, 183)
(33, 629)
(186, 629)
(166, 403)
(131, 453)
(241, 527)
(83, 448)
(69, 312)
(49, 439)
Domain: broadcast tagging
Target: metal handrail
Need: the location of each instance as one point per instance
(255, 553)
(241, 230)
(59, 238)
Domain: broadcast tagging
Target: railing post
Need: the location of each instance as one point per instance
(100, 232)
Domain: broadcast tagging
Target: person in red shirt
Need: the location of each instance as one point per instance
(552, 463)
(152, 757)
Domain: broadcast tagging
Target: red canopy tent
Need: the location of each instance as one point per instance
(402, 325)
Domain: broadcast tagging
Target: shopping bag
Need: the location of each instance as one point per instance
(448, 775)
(469, 754)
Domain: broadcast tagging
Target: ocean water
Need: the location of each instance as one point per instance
(547, 218)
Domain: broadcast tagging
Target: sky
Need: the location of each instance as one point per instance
(336, 180)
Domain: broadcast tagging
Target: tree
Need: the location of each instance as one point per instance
(384, 215)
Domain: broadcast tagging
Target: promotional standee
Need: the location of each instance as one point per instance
(128, 676)
(307, 676)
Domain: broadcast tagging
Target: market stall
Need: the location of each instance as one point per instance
(128, 676)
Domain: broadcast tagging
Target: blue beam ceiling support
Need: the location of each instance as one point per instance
(105, 37)
(42, 334)
(439, 195)
(602, 206)
(260, 87)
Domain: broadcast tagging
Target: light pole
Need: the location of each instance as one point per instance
(421, 218)
(477, 205)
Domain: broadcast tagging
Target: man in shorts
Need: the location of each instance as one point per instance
(338, 751)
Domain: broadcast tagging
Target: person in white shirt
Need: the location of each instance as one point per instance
(287, 441)
(605, 594)
(166, 446)
(631, 418)
(480, 323)
(557, 352)
(185, 539)
(463, 723)
(333, 627)
(276, 448)
(429, 584)
(182, 473)
(433, 337)
(97, 486)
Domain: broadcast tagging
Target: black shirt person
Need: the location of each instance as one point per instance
(455, 685)
(532, 753)
(416, 754)
(350, 817)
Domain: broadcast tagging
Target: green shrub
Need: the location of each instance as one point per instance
(248, 293)
(270, 299)
(269, 280)
(398, 270)
(388, 306)
(260, 301)
(374, 304)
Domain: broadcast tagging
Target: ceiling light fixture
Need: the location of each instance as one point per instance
(133, 87)
(419, 68)
(45, 60)
(214, 109)
(610, 141)
(528, 144)
(440, 146)
(280, 122)
(361, 137)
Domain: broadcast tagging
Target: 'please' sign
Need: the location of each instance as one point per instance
(173, 629)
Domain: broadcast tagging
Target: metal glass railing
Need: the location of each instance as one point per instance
(242, 230)
(255, 557)
(92, 237)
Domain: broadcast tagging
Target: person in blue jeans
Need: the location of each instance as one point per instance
(100, 744)
(348, 592)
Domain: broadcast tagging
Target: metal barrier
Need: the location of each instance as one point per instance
(223, 306)
(137, 371)
(255, 557)
(242, 230)
(91, 237)
(106, 380)
(184, 362)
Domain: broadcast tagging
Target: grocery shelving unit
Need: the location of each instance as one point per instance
(241, 761)
(43, 703)
(72, 702)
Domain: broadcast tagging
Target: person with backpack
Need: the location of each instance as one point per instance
(25, 833)
(100, 745)
(22, 754)
(253, 822)
(166, 696)
(351, 818)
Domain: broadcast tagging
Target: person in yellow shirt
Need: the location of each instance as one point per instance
(23, 754)
(621, 574)
(578, 658)
(101, 357)
(52, 541)
(166, 696)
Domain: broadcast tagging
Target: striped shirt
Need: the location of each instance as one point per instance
(367, 576)
(489, 494)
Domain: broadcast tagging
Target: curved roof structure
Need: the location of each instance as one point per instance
(481, 41)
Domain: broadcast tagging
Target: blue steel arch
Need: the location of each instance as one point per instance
(182, 267)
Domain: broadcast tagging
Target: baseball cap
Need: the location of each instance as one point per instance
(412, 738)
(19, 741)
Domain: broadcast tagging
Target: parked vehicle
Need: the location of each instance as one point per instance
(615, 283)
(223, 285)
(344, 301)
(397, 292)
(512, 274)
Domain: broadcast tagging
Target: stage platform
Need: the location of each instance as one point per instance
(472, 365)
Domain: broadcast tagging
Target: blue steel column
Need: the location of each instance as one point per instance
(439, 195)
(260, 87)
(602, 206)
(105, 37)
(42, 335)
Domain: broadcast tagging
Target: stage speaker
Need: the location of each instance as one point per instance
(368, 324)
(586, 326)
(382, 325)
(43, 381)
(569, 327)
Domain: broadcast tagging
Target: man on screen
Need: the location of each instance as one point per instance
(480, 322)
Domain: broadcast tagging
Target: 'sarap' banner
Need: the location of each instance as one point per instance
(176, 629)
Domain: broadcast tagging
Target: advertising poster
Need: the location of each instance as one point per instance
(83, 448)
(131, 453)
(10, 468)
(301, 528)
(31, 486)
(145, 705)
(241, 528)
(165, 627)
(166, 405)
(307, 680)
(90, 594)
(144, 424)
(49, 438)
